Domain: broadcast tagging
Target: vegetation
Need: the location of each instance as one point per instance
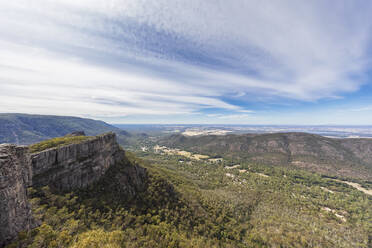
(329, 156)
(28, 129)
(57, 142)
(199, 204)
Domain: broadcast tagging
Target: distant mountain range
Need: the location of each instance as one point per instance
(26, 129)
(341, 157)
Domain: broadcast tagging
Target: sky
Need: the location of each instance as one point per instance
(189, 61)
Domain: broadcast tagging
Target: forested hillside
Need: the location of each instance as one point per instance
(199, 204)
(340, 157)
(27, 129)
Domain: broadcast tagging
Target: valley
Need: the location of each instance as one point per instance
(168, 151)
(171, 190)
(285, 203)
(328, 156)
(185, 124)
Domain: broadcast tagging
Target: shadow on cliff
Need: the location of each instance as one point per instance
(129, 184)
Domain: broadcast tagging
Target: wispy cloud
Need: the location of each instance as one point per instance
(118, 58)
(234, 118)
(362, 109)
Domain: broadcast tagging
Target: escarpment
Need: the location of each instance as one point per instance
(15, 176)
(76, 165)
(65, 168)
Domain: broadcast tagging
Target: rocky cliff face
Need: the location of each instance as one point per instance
(64, 168)
(76, 165)
(15, 177)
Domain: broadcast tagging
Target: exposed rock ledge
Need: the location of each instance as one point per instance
(63, 168)
(76, 165)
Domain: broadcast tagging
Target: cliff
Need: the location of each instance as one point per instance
(15, 176)
(62, 168)
(76, 165)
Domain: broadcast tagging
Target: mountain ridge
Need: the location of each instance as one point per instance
(350, 157)
(25, 129)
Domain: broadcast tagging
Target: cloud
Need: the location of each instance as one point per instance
(361, 109)
(118, 58)
(237, 117)
(38, 82)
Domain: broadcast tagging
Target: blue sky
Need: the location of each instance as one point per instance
(172, 61)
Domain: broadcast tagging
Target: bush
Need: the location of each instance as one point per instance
(57, 142)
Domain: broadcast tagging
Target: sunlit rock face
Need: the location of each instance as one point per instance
(15, 177)
(76, 165)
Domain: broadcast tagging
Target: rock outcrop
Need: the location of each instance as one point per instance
(15, 177)
(69, 167)
(76, 165)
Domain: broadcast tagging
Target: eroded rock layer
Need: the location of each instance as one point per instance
(76, 165)
(15, 177)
